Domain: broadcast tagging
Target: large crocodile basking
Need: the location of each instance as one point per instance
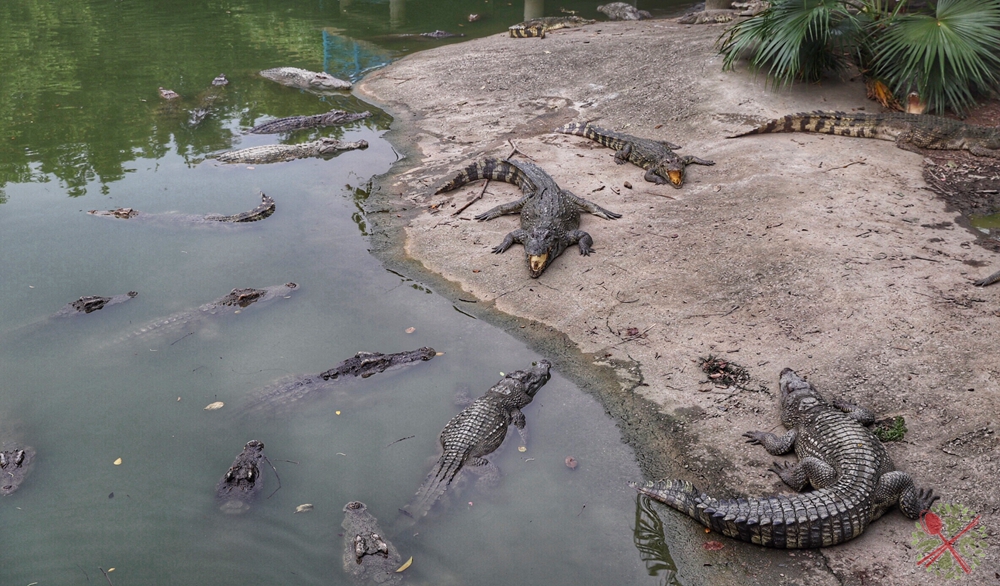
(265, 209)
(368, 557)
(623, 11)
(297, 390)
(662, 164)
(241, 484)
(550, 216)
(478, 431)
(909, 131)
(318, 121)
(92, 303)
(276, 153)
(16, 461)
(538, 27)
(853, 476)
(305, 79)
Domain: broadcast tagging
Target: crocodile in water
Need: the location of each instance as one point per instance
(318, 121)
(910, 131)
(242, 482)
(265, 209)
(16, 461)
(623, 11)
(853, 476)
(206, 100)
(305, 79)
(538, 27)
(368, 557)
(276, 153)
(440, 34)
(550, 216)
(92, 303)
(662, 164)
(362, 365)
(478, 431)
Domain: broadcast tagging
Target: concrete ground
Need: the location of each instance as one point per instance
(825, 254)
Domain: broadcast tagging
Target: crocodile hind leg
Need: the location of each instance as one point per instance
(502, 209)
(590, 207)
(621, 155)
(808, 470)
(518, 236)
(488, 472)
(897, 487)
(988, 280)
(860, 414)
(581, 239)
(774, 445)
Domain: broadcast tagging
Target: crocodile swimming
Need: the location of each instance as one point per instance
(16, 462)
(478, 431)
(92, 303)
(550, 216)
(299, 389)
(853, 477)
(206, 100)
(538, 27)
(910, 132)
(368, 557)
(662, 164)
(305, 79)
(241, 484)
(276, 153)
(265, 209)
(318, 121)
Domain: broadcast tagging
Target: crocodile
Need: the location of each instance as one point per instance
(986, 281)
(662, 164)
(265, 209)
(538, 27)
(362, 365)
(623, 11)
(440, 34)
(241, 484)
(478, 431)
(16, 462)
(911, 132)
(305, 79)
(853, 476)
(368, 557)
(236, 300)
(550, 216)
(318, 121)
(276, 153)
(92, 303)
(206, 100)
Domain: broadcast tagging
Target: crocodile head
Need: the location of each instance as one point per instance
(798, 398)
(120, 213)
(325, 81)
(541, 247)
(672, 172)
(329, 145)
(91, 303)
(14, 467)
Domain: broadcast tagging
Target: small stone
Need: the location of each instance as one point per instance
(627, 185)
(571, 462)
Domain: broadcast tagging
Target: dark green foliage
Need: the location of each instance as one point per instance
(890, 429)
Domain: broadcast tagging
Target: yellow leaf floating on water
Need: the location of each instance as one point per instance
(214, 406)
(118, 462)
(303, 508)
(405, 565)
(522, 448)
(111, 570)
(337, 412)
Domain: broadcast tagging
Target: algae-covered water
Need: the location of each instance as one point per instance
(128, 456)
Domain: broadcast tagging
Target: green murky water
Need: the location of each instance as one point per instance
(82, 127)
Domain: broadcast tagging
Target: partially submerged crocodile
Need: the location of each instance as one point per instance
(265, 209)
(92, 303)
(550, 216)
(16, 461)
(318, 121)
(241, 484)
(854, 479)
(909, 131)
(305, 79)
(361, 365)
(368, 557)
(276, 153)
(206, 100)
(662, 164)
(538, 27)
(440, 34)
(623, 11)
(478, 431)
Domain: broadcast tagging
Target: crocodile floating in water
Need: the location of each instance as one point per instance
(662, 164)
(368, 557)
(440, 34)
(623, 11)
(235, 301)
(550, 216)
(16, 462)
(318, 121)
(276, 153)
(305, 79)
(242, 482)
(206, 101)
(478, 431)
(92, 303)
(910, 131)
(265, 209)
(538, 27)
(853, 476)
(361, 365)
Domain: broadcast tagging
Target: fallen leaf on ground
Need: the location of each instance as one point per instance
(712, 545)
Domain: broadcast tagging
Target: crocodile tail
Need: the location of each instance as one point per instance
(434, 486)
(577, 128)
(679, 494)
(839, 123)
(488, 168)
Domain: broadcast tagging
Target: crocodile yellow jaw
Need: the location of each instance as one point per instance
(676, 178)
(536, 264)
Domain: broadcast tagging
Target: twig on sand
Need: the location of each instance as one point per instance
(480, 196)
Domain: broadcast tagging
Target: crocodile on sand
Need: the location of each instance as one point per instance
(276, 153)
(241, 484)
(478, 431)
(662, 164)
(361, 365)
(318, 121)
(550, 216)
(368, 557)
(853, 477)
(15, 464)
(538, 27)
(623, 11)
(92, 303)
(265, 209)
(909, 131)
(305, 79)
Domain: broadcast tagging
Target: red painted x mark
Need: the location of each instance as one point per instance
(932, 525)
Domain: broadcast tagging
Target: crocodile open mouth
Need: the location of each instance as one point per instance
(676, 178)
(537, 263)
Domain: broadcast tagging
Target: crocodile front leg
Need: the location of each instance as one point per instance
(590, 206)
(690, 159)
(808, 470)
(860, 414)
(774, 445)
(653, 177)
(897, 486)
(622, 154)
(582, 239)
(517, 418)
(518, 236)
(502, 209)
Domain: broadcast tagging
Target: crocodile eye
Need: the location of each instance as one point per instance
(18, 457)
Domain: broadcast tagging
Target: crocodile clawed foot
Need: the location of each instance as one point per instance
(754, 437)
(926, 498)
(780, 468)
